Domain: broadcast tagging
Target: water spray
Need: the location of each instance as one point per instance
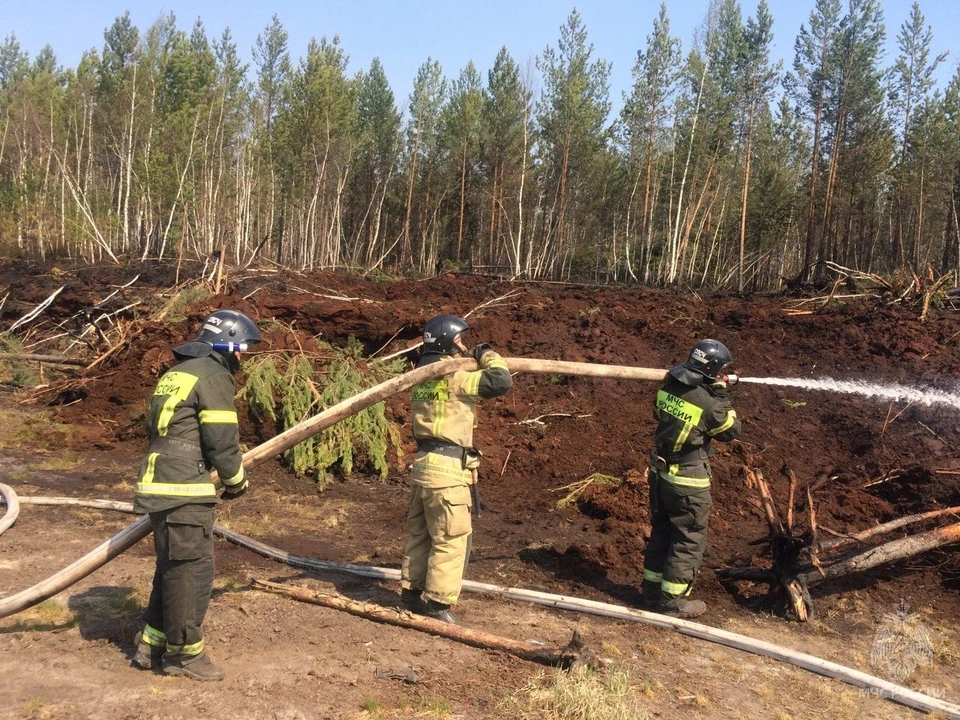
(927, 396)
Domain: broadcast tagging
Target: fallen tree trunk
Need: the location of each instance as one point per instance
(563, 657)
(320, 421)
(888, 552)
(105, 552)
(839, 543)
(49, 359)
(36, 311)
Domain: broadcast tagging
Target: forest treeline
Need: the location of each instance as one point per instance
(722, 168)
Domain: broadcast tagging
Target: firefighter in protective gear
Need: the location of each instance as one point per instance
(192, 426)
(692, 409)
(444, 415)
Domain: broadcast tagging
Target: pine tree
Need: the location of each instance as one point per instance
(505, 149)
(912, 80)
(426, 103)
(378, 129)
(272, 61)
(462, 127)
(645, 113)
(858, 134)
(316, 132)
(756, 82)
(572, 114)
(116, 106)
(813, 66)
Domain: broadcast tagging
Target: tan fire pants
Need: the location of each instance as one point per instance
(440, 528)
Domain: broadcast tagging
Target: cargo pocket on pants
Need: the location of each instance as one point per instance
(189, 533)
(456, 506)
(698, 507)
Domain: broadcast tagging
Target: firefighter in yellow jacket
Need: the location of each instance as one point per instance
(439, 520)
(192, 425)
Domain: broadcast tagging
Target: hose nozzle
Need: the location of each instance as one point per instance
(732, 379)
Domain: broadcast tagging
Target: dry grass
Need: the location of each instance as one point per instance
(292, 514)
(33, 429)
(92, 518)
(580, 694)
(176, 307)
(842, 701)
(65, 461)
(43, 617)
(650, 649)
(434, 706)
(36, 708)
(575, 489)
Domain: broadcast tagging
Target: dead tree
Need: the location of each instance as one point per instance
(800, 559)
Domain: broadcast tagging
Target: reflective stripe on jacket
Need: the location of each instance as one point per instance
(688, 419)
(192, 403)
(445, 409)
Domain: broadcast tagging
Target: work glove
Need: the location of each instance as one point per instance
(718, 386)
(232, 492)
(478, 352)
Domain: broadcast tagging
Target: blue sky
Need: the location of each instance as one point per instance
(404, 33)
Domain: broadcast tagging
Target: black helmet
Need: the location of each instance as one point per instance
(223, 331)
(708, 357)
(440, 332)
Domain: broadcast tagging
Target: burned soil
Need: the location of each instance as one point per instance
(870, 461)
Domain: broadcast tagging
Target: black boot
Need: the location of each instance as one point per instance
(679, 606)
(195, 667)
(147, 656)
(411, 600)
(440, 611)
(649, 595)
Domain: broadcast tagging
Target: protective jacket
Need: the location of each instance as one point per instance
(192, 425)
(688, 418)
(444, 415)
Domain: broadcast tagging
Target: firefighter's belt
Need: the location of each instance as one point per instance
(441, 448)
(176, 447)
(691, 456)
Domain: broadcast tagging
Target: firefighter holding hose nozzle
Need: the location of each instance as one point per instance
(691, 409)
